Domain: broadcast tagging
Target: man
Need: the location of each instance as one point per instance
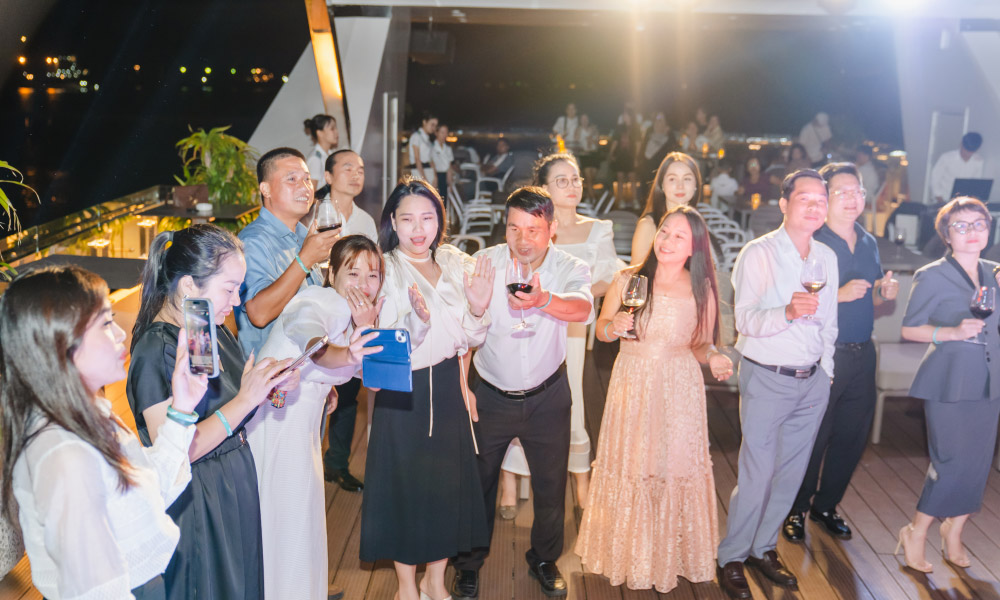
(786, 338)
(814, 136)
(867, 172)
(419, 149)
(843, 432)
(963, 163)
(523, 391)
(503, 160)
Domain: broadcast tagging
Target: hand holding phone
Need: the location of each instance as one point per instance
(199, 325)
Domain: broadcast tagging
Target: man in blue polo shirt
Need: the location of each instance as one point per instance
(843, 432)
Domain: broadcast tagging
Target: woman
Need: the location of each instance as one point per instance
(286, 441)
(957, 381)
(91, 500)
(589, 155)
(624, 149)
(714, 135)
(592, 241)
(656, 144)
(652, 514)
(322, 130)
(567, 126)
(219, 555)
(423, 502)
(443, 158)
(754, 182)
(677, 182)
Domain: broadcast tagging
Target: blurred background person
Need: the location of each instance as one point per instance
(656, 144)
(322, 130)
(419, 148)
(443, 159)
(567, 127)
(815, 137)
(624, 149)
(962, 163)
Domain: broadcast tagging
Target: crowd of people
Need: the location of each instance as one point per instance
(221, 494)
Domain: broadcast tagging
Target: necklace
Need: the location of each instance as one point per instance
(412, 260)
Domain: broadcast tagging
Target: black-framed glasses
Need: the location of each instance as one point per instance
(564, 182)
(962, 228)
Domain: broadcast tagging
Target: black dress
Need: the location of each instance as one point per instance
(220, 553)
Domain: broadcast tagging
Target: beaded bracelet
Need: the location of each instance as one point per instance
(225, 422)
(302, 264)
(547, 302)
(277, 398)
(180, 417)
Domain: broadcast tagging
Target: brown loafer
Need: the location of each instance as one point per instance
(734, 581)
(772, 568)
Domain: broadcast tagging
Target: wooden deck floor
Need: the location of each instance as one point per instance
(881, 499)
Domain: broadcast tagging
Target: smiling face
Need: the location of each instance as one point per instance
(223, 288)
(847, 198)
(363, 274)
(288, 189)
(527, 235)
(564, 173)
(973, 242)
(672, 243)
(348, 176)
(416, 224)
(679, 184)
(100, 357)
(806, 206)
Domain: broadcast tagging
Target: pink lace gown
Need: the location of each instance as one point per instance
(652, 511)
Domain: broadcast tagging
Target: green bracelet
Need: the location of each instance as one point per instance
(301, 264)
(180, 417)
(606, 325)
(225, 423)
(547, 302)
(934, 336)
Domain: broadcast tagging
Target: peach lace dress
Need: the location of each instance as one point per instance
(652, 512)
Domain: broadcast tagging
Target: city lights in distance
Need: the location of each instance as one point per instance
(29, 76)
(22, 59)
(208, 70)
(204, 79)
(284, 78)
(147, 222)
(136, 67)
(99, 243)
(24, 39)
(83, 83)
(232, 71)
(184, 69)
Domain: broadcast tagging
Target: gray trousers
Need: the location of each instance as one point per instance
(779, 417)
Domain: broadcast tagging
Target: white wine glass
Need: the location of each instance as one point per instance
(813, 278)
(633, 297)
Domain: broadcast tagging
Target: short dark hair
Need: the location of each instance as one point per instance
(388, 240)
(540, 172)
(427, 116)
(266, 163)
(533, 200)
(788, 184)
(972, 141)
(831, 170)
(331, 160)
(944, 215)
(866, 150)
(313, 124)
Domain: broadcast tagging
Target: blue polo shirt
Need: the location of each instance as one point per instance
(269, 247)
(856, 319)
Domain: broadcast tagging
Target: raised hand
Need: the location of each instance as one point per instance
(258, 380)
(418, 303)
(524, 301)
(364, 312)
(479, 285)
(622, 322)
(317, 245)
(356, 351)
(890, 286)
(802, 304)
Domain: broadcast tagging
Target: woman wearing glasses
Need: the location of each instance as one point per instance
(958, 380)
(591, 240)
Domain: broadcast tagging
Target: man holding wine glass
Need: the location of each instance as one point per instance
(523, 391)
(843, 433)
(784, 375)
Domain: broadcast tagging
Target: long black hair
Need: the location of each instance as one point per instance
(656, 201)
(197, 251)
(44, 315)
(699, 266)
(409, 186)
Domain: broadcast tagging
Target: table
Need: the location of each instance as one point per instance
(899, 259)
(227, 212)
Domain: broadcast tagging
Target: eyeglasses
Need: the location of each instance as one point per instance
(856, 193)
(962, 228)
(564, 182)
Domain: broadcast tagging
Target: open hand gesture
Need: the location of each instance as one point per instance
(479, 285)
(418, 303)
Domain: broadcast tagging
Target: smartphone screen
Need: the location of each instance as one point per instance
(199, 322)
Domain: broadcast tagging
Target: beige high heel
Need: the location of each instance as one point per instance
(924, 568)
(961, 563)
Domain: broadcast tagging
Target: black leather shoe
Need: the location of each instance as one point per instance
(794, 528)
(548, 577)
(334, 593)
(833, 523)
(772, 568)
(733, 580)
(345, 480)
(466, 586)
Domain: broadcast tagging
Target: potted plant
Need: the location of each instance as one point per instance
(8, 208)
(227, 165)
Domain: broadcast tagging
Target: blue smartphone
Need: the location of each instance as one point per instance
(390, 368)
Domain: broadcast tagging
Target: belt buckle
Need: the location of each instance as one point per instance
(803, 373)
(519, 395)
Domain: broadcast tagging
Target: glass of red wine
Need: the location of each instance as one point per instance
(982, 305)
(327, 217)
(518, 279)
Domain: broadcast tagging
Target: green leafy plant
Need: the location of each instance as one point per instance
(8, 208)
(227, 165)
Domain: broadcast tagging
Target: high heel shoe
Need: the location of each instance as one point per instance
(924, 568)
(963, 563)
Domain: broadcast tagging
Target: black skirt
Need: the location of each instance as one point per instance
(423, 501)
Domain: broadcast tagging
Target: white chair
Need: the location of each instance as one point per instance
(473, 218)
(484, 185)
(462, 242)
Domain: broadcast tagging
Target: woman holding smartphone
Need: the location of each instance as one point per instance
(286, 440)
(220, 554)
(423, 502)
(91, 500)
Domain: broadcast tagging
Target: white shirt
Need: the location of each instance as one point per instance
(85, 538)
(360, 223)
(812, 138)
(419, 152)
(569, 129)
(316, 161)
(869, 178)
(452, 329)
(723, 185)
(515, 363)
(766, 273)
(441, 157)
(950, 167)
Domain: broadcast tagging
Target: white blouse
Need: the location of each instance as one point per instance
(86, 539)
(452, 329)
(598, 251)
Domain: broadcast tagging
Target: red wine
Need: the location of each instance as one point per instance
(980, 313)
(328, 228)
(519, 287)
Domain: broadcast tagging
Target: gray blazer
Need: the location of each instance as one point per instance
(953, 371)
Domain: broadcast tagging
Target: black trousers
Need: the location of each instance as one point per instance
(843, 433)
(542, 423)
(341, 429)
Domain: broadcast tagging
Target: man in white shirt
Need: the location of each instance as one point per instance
(345, 180)
(867, 171)
(419, 149)
(568, 128)
(814, 135)
(442, 158)
(523, 391)
(787, 338)
(957, 164)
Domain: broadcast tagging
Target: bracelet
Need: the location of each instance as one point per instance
(542, 307)
(301, 264)
(225, 422)
(934, 336)
(181, 417)
(606, 336)
(711, 350)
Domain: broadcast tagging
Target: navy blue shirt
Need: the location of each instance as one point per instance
(855, 319)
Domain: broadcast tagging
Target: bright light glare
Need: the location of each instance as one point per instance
(22, 59)
(184, 69)
(208, 70)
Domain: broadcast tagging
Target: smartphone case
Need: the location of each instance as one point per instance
(390, 368)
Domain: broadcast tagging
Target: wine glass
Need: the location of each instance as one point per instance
(634, 296)
(899, 239)
(327, 216)
(982, 305)
(518, 279)
(813, 278)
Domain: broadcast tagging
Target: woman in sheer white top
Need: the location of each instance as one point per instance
(91, 499)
